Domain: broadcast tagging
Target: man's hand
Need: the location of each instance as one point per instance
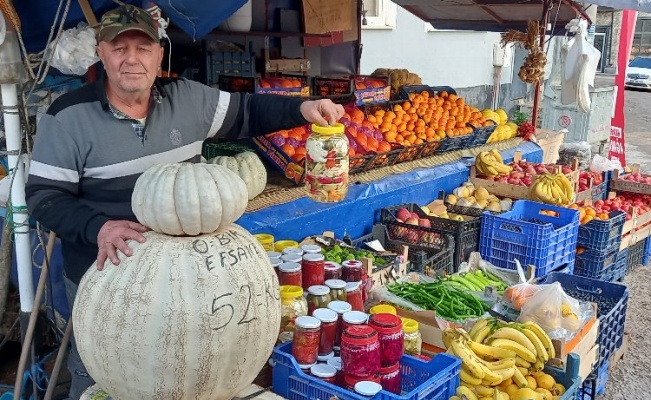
(113, 236)
(315, 111)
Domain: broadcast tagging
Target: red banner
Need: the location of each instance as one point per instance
(617, 131)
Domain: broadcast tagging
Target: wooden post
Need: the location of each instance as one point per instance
(88, 12)
(543, 31)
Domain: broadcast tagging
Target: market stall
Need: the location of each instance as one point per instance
(394, 236)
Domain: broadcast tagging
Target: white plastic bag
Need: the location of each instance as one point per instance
(580, 60)
(552, 309)
(601, 164)
(75, 51)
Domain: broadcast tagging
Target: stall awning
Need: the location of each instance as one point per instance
(636, 5)
(489, 15)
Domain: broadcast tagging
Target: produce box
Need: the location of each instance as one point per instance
(594, 263)
(596, 383)
(517, 187)
(647, 252)
(371, 89)
(229, 63)
(569, 377)
(592, 187)
(618, 270)
(544, 241)
(330, 86)
(635, 255)
(635, 182)
(465, 229)
(406, 90)
(293, 170)
(433, 380)
(550, 141)
(427, 325)
(231, 84)
(602, 236)
(284, 85)
(480, 135)
(611, 300)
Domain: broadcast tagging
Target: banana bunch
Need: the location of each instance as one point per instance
(552, 189)
(490, 163)
(499, 360)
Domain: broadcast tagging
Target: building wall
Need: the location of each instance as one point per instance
(612, 19)
(453, 58)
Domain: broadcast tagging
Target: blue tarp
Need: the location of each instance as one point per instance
(196, 18)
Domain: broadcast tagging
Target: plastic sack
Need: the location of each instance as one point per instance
(602, 164)
(581, 151)
(519, 294)
(75, 50)
(552, 309)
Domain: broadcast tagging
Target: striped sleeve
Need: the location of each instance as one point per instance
(53, 185)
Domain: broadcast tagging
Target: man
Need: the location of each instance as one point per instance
(93, 143)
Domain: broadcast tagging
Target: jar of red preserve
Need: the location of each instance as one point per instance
(313, 270)
(352, 318)
(391, 337)
(391, 378)
(351, 381)
(352, 271)
(354, 295)
(332, 270)
(307, 335)
(360, 351)
(328, 320)
(340, 307)
(325, 372)
(290, 274)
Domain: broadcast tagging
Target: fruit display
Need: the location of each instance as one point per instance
(491, 164)
(363, 136)
(504, 130)
(399, 78)
(448, 302)
(552, 189)
(523, 173)
(276, 83)
(525, 128)
(503, 361)
(415, 236)
(589, 179)
(365, 82)
(588, 213)
(469, 195)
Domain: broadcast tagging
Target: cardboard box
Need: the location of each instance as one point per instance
(550, 142)
(586, 349)
(293, 170)
(429, 328)
(589, 332)
(285, 85)
(366, 94)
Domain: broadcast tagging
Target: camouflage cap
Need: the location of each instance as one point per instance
(126, 18)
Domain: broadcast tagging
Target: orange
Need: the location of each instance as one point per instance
(603, 216)
(586, 219)
(288, 149)
(590, 211)
(406, 105)
(383, 147)
(362, 140)
(443, 93)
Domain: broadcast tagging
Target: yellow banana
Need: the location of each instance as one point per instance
(514, 335)
(464, 391)
(519, 349)
(491, 171)
(493, 352)
(519, 379)
(455, 398)
(501, 364)
(479, 325)
(491, 376)
(467, 377)
(542, 335)
(483, 391)
(540, 348)
(520, 362)
(497, 156)
(497, 395)
(505, 373)
(502, 169)
(566, 186)
(523, 371)
(482, 334)
(538, 366)
(468, 359)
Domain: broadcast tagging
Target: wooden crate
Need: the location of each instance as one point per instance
(621, 185)
(550, 142)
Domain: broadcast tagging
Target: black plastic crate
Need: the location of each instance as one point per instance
(480, 135)
(635, 255)
(212, 150)
(464, 233)
(406, 90)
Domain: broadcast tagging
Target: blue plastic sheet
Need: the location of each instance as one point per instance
(361, 208)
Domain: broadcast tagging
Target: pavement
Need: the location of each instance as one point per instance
(637, 131)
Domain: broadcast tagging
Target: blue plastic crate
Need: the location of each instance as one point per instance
(453, 143)
(547, 245)
(421, 380)
(569, 377)
(647, 247)
(595, 264)
(635, 255)
(602, 236)
(618, 270)
(600, 192)
(595, 383)
(480, 135)
(611, 300)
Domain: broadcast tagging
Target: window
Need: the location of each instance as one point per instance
(642, 38)
(379, 14)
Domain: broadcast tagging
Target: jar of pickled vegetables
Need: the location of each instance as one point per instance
(313, 269)
(352, 318)
(266, 240)
(336, 363)
(307, 334)
(275, 263)
(293, 305)
(337, 289)
(367, 388)
(290, 274)
(413, 338)
(383, 309)
(391, 378)
(332, 270)
(391, 337)
(325, 372)
(352, 271)
(354, 295)
(360, 351)
(326, 164)
(340, 307)
(318, 296)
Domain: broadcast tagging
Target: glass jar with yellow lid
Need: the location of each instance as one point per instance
(383, 309)
(327, 164)
(293, 305)
(413, 338)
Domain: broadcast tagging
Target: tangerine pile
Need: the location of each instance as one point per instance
(588, 213)
(426, 118)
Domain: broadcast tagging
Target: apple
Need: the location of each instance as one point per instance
(565, 169)
(411, 221)
(530, 170)
(414, 215)
(458, 218)
(514, 181)
(424, 223)
(526, 181)
(503, 179)
(403, 214)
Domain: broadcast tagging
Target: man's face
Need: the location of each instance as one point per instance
(131, 60)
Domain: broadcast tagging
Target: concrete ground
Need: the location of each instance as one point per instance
(638, 129)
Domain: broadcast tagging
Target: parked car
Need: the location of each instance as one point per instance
(638, 73)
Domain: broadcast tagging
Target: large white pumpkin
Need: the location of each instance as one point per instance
(188, 199)
(183, 318)
(249, 167)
